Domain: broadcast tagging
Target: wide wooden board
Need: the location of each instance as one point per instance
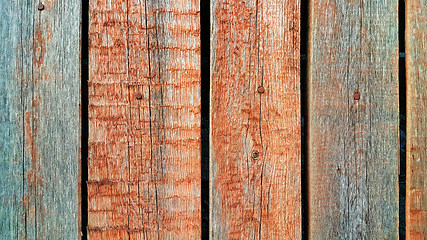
(416, 155)
(144, 120)
(255, 133)
(353, 119)
(40, 121)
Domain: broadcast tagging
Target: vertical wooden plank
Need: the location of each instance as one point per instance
(144, 120)
(11, 145)
(40, 121)
(353, 119)
(416, 79)
(255, 140)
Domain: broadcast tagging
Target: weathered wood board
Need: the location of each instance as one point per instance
(416, 78)
(40, 121)
(144, 120)
(353, 119)
(255, 134)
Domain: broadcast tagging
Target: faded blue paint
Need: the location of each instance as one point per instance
(10, 163)
(39, 122)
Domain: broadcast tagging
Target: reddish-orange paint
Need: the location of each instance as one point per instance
(416, 155)
(255, 132)
(144, 120)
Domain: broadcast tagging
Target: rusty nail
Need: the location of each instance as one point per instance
(356, 95)
(255, 154)
(40, 7)
(138, 95)
(261, 89)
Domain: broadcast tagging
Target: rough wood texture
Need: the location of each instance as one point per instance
(144, 120)
(39, 123)
(353, 119)
(416, 77)
(255, 140)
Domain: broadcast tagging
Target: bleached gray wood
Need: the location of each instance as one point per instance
(39, 121)
(353, 119)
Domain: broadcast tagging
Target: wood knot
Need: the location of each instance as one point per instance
(255, 154)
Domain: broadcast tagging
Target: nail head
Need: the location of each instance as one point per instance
(40, 7)
(356, 95)
(261, 89)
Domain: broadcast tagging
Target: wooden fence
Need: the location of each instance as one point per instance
(303, 111)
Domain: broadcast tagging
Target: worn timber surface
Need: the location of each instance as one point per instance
(144, 120)
(39, 120)
(353, 119)
(416, 77)
(255, 174)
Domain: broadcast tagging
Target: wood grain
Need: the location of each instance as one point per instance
(416, 79)
(353, 119)
(255, 136)
(40, 122)
(144, 120)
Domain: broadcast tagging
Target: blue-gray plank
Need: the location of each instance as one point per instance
(39, 119)
(353, 124)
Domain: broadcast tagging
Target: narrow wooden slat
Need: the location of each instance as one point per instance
(353, 119)
(144, 120)
(40, 121)
(416, 156)
(255, 138)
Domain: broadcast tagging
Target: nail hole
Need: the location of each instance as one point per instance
(138, 95)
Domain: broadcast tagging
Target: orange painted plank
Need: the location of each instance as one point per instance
(255, 134)
(416, 156)
(144, 120)
(353, 119)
